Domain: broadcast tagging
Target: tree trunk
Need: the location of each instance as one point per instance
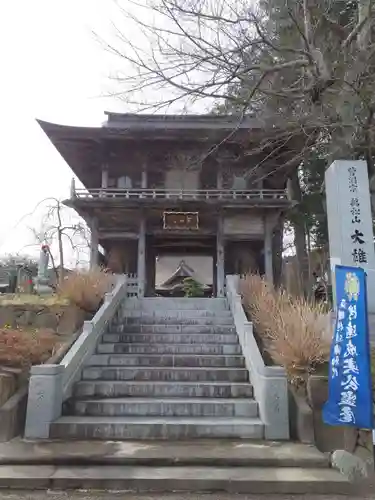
(53, 264)
(277, 252)
(61, 256)
(364, 19)
(60, 243)
(299, 236)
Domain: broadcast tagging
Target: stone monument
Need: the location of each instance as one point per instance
(42, 286)
(350, 229)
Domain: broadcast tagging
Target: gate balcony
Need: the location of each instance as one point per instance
(155, 197)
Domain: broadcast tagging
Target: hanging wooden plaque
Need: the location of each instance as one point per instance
(181, 220)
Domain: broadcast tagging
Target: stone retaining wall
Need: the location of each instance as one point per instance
(63, 319)
(13, 396)
(11, 416)
(8, 386)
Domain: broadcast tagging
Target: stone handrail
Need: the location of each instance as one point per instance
(51, 384)
(269, 382)
(85, 345)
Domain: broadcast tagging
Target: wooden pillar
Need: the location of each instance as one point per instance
(104, 183)
(141, 268)
(104, 178)
(144, 177)
(73, 189)
(268, 265)
(219, 177)
(94, 244)
(214, 274)
(220, 276)
(150, 269)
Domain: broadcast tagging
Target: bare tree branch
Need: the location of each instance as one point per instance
(57, 228)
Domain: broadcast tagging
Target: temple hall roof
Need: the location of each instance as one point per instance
(86, 149)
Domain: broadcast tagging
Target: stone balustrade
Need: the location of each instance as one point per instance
(269, 382)
(51, 384)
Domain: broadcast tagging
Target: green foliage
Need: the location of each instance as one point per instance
(324, 101)
(282, 24)
(310, 212)
(192, 288)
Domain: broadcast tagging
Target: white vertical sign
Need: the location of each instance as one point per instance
(350, 228)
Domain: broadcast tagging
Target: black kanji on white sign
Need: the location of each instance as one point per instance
(355, 210)
(357, 237)
(359, 256)
(353, 182)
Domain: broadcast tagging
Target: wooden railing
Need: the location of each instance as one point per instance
(181, 194)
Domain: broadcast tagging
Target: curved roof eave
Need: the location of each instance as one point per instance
(50, 128)
(181, 121)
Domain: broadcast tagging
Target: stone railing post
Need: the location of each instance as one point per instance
(45, 400)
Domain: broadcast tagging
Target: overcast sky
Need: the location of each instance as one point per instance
(51, 68)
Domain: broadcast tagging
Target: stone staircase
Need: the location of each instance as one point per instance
(164, 372)
(169, 369)
(194, 466)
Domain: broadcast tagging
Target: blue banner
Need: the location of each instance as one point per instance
(350, 388)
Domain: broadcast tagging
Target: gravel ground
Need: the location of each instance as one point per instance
(82, 495)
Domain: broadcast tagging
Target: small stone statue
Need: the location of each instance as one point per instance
(42, 280)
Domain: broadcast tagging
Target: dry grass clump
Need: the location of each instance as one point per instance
(24, 348)
(86, 289)
(295, 332)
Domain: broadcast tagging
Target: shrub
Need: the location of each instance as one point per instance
(86, 289)
(23, 348)
(192, 288)
(295, 332)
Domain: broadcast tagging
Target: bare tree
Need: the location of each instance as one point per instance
(58, 228)
(304, 68)
(309, 60)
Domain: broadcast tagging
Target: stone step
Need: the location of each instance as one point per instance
(118, 348)
(157, 303)
(172, 374)
(125, 428)
(187, 329)
(171, 338)
(178, 314)
(173, 320)
(166, 360)
(119, 388)
(174, 407)
(212, 452)
(246, 480)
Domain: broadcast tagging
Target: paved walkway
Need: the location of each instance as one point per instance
(210, 452)
(175, 496)
(247, 466)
